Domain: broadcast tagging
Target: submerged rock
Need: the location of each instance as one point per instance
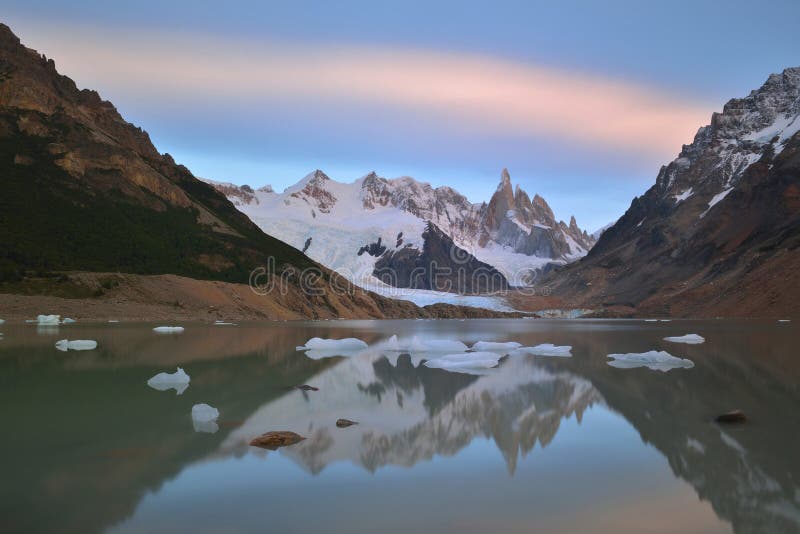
(344, 423)
(276, 439)
(735, 416)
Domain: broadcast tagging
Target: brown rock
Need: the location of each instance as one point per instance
(344, 423)
(277, 439)
(736, 416)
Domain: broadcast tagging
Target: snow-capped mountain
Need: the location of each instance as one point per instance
(720, 228)
(390, 227)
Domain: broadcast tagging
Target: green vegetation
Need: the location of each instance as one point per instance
(51, 221)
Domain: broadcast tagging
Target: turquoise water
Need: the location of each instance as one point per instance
(539, 444)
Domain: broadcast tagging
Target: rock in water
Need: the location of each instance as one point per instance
(735, 416)
(276, 439)
(344, 423)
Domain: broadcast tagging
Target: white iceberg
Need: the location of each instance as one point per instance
(48, 319)
(178, 381)
(168, 329)
(425, 345)
(347, 344)
(655, 360)
(779, 320)
(499, 346)
(2, 321)
(67, 320)
(546, 349)
(651, 320)
(76, 344)
(691, 339)
(465, 362)
(113, 320)
(204, 418)
(223, 323)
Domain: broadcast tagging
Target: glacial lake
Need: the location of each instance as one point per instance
(538, 444)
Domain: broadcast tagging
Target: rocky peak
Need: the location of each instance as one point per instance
(313, 190)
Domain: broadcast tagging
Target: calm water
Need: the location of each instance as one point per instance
(536, 445)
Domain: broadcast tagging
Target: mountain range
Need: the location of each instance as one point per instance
(395, 232)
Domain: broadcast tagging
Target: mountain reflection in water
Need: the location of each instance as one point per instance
(90, 446)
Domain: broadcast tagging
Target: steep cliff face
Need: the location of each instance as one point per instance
(718, 232)
(440, 266)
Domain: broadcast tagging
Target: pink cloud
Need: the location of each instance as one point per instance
(468, 92)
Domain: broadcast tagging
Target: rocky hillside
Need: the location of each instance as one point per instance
(84, 190)
(719, 231)
(375, 224)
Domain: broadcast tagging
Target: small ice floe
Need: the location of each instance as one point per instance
(654, 359)
(168, 329)
(223, 323)
(651, 320)
(67, 320)
(779, 320)
(425, 345)
(31, 321)
(204, 418)
(665, 320)
(347, 344)
(49, 320)
(2, 321)
(545, 349)
(113, 320)
(691, 339)
(178, 381)
(466, 362)
(77, 344)
(495, 346)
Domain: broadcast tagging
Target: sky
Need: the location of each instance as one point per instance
(582, 101)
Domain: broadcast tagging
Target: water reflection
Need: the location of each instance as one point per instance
(87, 429)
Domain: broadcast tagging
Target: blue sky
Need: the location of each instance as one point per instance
(582, 101)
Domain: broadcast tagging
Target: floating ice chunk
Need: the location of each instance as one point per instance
(48, 319)
(779, 320)
(655, 360)
(651, 320)
(347, 344)
(31, 321)
(204, 418)
(546, 349)
(178, 381)
(113, 320)
(2, 321)
(67, 320)
(665, 320)
(223, 323)
(499, 346)
(691, 339)
(168, 329)
(425, 345)
(77, 344)
(465, 362)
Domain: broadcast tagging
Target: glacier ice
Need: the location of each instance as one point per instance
(48, 319)
(178, 381)
(347, 344)
(76, 344)
(655, 360)
(424, 345)
(499, 346)
(168, 329)
(691, 339)
(67, 320)
(465, 362)
(545, 349)
(204, 418)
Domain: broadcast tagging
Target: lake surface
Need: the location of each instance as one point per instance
(538, 444)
